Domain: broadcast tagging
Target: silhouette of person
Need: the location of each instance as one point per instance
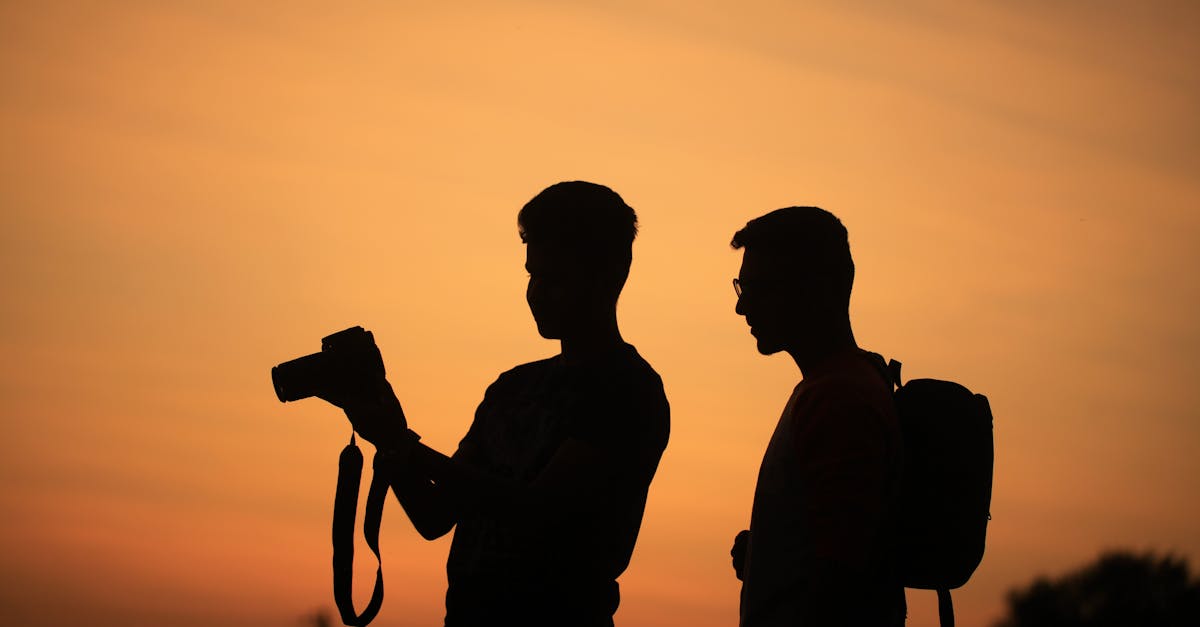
(818, 550)
(547, 489)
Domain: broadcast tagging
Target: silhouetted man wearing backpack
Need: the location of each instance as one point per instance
(818, 551)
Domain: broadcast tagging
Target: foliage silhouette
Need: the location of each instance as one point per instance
(1119, 589)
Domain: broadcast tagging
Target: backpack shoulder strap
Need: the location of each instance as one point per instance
(893, 367)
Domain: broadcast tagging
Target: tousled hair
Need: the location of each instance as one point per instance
(590, 222)
(808, 242)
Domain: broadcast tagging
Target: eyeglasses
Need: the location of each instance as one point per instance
(757, 287)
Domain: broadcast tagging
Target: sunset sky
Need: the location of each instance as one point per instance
(192, 192)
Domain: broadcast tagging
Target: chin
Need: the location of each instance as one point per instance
(549, 332)
(767, 345)
(768, 349)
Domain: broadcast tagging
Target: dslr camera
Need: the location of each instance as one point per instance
(347, 360)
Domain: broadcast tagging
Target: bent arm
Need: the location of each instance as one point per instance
(380, 419)
(446, 489)
(436, 490)
(423, 501)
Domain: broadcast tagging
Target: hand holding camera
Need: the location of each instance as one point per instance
(348, 372)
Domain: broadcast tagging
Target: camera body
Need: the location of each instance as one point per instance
(347, 360)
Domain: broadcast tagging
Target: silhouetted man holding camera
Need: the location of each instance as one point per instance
(818, 550)
(547, 489)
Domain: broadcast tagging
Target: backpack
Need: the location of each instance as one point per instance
(946, 487)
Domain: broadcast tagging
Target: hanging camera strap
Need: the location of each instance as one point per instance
(345, 504)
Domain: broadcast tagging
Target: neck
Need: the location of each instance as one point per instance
(594, 340)
(819, 347)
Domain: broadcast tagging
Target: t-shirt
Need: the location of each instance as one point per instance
(559, 567)
(819, 549)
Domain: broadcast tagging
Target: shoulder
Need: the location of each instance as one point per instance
(854, 394)
(521, 375)
(624, 400)
(855, 379)
(512, 387)
(528, 369)
(647, 400)
(637, 379)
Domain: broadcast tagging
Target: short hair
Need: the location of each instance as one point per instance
(809, 242)
(590, 222)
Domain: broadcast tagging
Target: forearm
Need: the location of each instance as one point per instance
(437, 491)
(570, 485)
(461, 489)
(424, 503)
(423, 500)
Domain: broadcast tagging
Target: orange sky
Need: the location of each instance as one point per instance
(193, 192)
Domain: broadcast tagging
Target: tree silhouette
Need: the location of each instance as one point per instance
(1120, 589)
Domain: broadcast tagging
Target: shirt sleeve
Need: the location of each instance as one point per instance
(622, 415)
(470, 448)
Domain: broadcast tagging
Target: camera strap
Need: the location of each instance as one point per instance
(345, 504)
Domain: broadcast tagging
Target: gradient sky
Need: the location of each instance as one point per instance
(192, 192)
